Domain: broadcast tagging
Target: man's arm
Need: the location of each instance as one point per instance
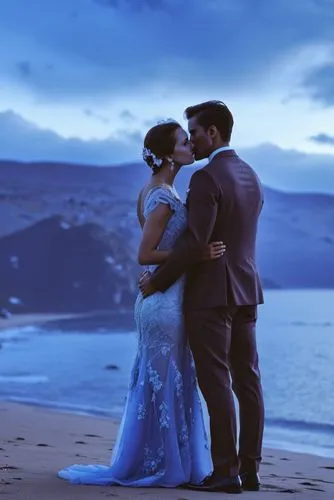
(202, 212)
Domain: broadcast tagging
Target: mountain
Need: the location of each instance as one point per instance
(52, 266)
(69, 236)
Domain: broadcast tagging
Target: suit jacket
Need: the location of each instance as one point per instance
(224, 202)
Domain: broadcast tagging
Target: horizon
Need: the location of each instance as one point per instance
(299, 189)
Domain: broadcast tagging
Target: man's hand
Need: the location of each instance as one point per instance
(145, 285)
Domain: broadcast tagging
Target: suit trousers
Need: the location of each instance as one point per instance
(223, 342)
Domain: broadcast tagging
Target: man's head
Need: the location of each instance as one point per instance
(210, 127)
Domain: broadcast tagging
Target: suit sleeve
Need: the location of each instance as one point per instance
(202, 211)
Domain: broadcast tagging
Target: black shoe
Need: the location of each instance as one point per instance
(250, 481)
(215, 482)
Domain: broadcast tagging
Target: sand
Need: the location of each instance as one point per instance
(35, 443)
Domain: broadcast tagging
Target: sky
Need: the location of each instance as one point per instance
(83, 80)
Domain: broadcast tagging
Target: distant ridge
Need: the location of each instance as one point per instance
(295, 244)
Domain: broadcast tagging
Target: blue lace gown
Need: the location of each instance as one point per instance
(162, 439)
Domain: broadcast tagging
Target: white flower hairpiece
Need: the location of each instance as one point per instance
(151, 159)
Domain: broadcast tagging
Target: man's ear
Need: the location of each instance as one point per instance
(212, 132)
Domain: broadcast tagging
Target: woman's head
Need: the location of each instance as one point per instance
(167, 143)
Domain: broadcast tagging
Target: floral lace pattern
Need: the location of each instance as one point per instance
(162, 439)
(152, 462)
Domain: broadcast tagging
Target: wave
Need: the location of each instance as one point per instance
(115, 412)
(13, 334)
(24, 379)
(319, 439)
(301, 425)
(313, 324)
(320, 450)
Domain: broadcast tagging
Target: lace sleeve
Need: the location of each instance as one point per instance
(156, 197)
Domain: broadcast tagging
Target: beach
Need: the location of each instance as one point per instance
(36, 443)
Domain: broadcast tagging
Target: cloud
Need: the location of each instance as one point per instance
(91, 114)
(127, 116)
(323, 139)
(100, 48)
(24, 69)
(320, 84)
(291, 170)
(287, 170)
(23, 140)
(138, 4)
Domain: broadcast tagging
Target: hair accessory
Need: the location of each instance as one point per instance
(151, 159)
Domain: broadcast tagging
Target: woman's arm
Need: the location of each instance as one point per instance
(153, 229)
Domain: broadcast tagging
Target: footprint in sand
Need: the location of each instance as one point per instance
(4, 482)
(8, 467)
(267, 463)
(286, 459)
(272, 487)
(20, 439)
(327, 467)
(80, 442)
(43, 445)
(93, 436)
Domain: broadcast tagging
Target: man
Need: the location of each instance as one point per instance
(221, 296)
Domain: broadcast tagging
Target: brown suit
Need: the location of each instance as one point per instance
(220, 304)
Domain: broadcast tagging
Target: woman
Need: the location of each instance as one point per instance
(162, 439)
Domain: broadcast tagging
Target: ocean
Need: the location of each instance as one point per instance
(82, 366)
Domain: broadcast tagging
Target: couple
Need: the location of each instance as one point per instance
(196, 318)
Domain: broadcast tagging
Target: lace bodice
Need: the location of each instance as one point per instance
(178, 221)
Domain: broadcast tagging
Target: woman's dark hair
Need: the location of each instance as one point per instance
(160, 140)
(213, 113)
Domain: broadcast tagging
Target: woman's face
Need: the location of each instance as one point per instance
(183, 152)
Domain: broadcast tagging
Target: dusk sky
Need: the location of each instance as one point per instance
(82, 80)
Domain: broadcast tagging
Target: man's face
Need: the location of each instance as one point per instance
(200, 140)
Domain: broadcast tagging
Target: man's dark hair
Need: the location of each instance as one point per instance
(213, 113)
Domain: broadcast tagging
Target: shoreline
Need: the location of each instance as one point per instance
(276, 436)
(35, 319)
(277, 445)
(49, 319)
(36, 443)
